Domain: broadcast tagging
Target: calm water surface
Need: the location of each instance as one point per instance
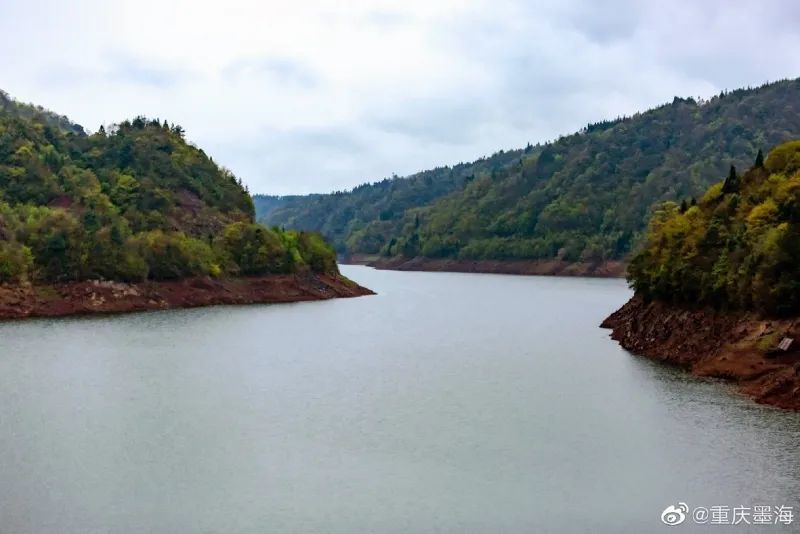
(447, 403)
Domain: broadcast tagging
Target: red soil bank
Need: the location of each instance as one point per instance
(736, 347)
(529, 267)
(76, 298)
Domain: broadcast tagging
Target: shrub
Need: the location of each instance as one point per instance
(16, 261)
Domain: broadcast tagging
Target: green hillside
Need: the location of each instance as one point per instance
(360, 220)
(132, 203)
(12, 107)
(738, 247)
(585, 196)
(266, 204)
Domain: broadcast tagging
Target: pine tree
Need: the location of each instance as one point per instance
(760, 159)
(116, 235)
(731, 183)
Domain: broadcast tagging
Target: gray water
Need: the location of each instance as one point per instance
(447, 403)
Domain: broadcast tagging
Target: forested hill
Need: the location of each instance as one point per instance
(737, 247)
(586, 196)
(266, 204)
(29, 111)
(132, 203)
(343, 216)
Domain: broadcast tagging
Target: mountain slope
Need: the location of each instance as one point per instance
(131, 204)
(358, 220)
(584, 197)
(14, 108)
(717, 282)
(266, 204)
(737, 248)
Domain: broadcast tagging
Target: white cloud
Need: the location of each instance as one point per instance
(320, 95)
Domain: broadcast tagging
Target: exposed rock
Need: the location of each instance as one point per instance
(734, 346)
(95, 296)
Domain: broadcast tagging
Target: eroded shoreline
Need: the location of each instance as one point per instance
(604, 269)
(105, 297)
(708, 343)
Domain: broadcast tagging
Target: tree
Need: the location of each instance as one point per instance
(251, 249)
(15, 262)
(731, 183)
(760, 159)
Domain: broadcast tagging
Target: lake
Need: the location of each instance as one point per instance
(447, 403)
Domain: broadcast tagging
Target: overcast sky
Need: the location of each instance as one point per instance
(312, 96)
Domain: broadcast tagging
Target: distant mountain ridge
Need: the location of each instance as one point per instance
(30, 111)
(585, 197)
(342, 213)
(266, 204)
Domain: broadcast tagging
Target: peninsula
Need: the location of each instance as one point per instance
(134, 217)
(717, 282)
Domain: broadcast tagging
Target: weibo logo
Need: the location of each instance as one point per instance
(674, 515)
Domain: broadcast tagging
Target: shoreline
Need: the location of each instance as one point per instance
(106, 297)
(603, 269)
(737, 347)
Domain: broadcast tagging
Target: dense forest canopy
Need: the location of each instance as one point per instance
(132, 203)
(359, 220)
(585, 196)
(737, 247)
